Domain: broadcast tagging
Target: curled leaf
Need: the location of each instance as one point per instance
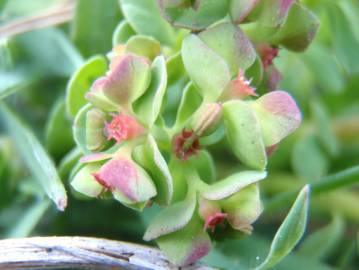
(278, 115)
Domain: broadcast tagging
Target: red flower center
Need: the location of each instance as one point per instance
(186, 144)
(213, 220)
(123, 127)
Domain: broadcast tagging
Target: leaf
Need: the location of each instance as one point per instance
(12, 81)
(55, 55)
(35, 157)
(148, 107)
(81, 82)
(321, 243)
(172, 218)
(308, 160)
(320, 61)
(274, 12)
(228, 41)
(58, 130)
(144, 46)
(93, 24)
(144, 17)
(29, 219)
(298, 30)
(232, 184)
(323, 127)
(290, 232)
(204, 165)
(239, 9)
(208, 71)
(85, 183)
(189, 103)
(79, 128)
(244, 134)
(187, 245)
(278, 115)
(243, 208)
(122, 33)
(150, 158)
(344, 41)
(207, 13)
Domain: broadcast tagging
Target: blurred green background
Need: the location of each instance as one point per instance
(35, 67)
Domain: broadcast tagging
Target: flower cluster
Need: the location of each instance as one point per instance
(221, 85)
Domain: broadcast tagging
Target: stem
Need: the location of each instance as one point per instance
(54, 16)
(344, 178)
(81, 252)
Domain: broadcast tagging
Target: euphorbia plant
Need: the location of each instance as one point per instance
(220, 79)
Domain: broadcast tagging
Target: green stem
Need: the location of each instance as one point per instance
(344, 178)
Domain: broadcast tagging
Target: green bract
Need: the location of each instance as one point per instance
(167, 101)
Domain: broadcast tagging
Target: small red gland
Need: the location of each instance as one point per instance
(215, 219)
(267, 53)
(186, 144)
(101, 181)
(123, 127)
(240, 87)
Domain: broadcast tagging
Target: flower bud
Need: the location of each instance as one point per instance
(243, 208)
(95, 123)
(207, 118)
(211, 213)
(128, 182)
(185, 144)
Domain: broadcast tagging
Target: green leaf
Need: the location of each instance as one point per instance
(189, 103)
(186, 246)
(144, 17)
(29, 219)
(79, 128)
(232, 184)
(122, 33)
(204, 165)
(228, 41)
(290, 232)
(93, 24)
(243, 208)
(244, 134)
(321, 243)
(278, 115)
(81, 82)
(85, 183)
(344, 41)
(12, 81)
(151, 159)
(274, 12)
(239, 9)
(172, 218)
(55, 55)
(208, 71)
(58, 130)
(308, 160)
(35, 157)
(324, 129)
(298, 30)
(144, 46)
(148, 107)
(207, 13)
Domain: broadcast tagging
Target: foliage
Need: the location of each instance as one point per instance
(183, 123)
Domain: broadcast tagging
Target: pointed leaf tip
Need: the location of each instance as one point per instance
(290, 232)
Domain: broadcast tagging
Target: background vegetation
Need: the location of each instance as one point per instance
(34, 71)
